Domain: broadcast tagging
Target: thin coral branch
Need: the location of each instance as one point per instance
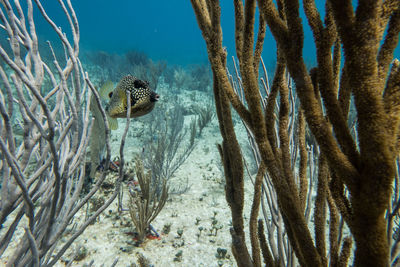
(284, 138)
(301, 133)
(248, 32)
(313, 18)
(334, 238)
(255, 242)
(34, 247)
(122, 145)
(278, 26)
(320, 208)
(239, 27)
(386, 51)
(269, 111)
(262, 27)
(392, 105)
(267, 256)
(345, 252)
(337, 55)
(344, 17)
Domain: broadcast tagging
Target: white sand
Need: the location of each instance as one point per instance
(106, 239)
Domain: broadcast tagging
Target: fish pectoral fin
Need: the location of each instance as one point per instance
(112, 123)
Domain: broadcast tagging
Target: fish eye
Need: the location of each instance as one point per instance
(110, 94)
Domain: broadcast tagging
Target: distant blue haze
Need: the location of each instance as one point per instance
(164, 30)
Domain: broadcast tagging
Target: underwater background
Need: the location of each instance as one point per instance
(164, 30)
(159, 41)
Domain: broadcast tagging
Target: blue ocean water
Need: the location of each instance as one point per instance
(164, 30)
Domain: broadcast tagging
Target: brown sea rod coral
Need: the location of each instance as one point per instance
(362, 165)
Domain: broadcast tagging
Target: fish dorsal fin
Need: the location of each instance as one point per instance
(106, 89)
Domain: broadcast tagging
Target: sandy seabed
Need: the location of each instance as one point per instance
(109, 238)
